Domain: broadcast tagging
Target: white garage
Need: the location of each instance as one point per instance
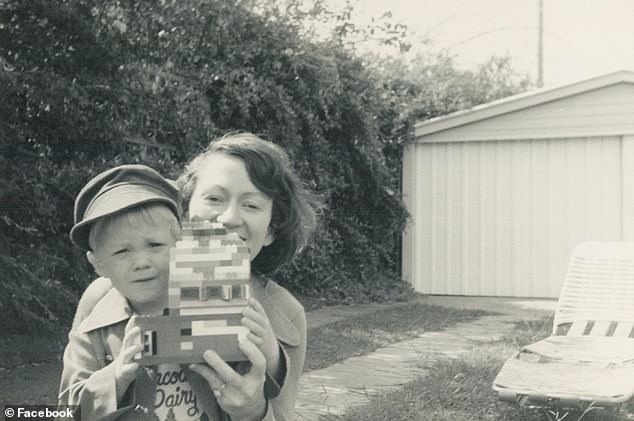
(500, 194)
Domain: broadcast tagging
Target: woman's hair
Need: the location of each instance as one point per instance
(149, 213)
(294, 207)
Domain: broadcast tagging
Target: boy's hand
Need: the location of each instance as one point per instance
(261, 334)
(124, 365)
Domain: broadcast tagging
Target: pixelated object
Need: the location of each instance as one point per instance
(208, 289)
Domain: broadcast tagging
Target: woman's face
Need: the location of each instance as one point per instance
(224, 193)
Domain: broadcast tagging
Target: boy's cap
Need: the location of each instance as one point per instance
(118, 189)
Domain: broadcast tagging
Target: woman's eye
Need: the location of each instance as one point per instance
(117, 252)
(213, 199)
(157, 244)
(251, 206)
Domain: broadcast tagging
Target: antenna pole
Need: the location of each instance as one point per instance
(540, 46)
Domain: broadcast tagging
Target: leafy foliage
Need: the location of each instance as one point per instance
(89, 84)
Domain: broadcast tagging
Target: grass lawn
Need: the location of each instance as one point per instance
(460, 389)
(366, 333)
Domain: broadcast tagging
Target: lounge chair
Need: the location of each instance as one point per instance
(588, 361)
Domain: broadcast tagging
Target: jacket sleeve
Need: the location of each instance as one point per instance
(282, 407)
(87, 381)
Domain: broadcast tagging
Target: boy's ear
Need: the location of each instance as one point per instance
(94, 262)
(270, 237)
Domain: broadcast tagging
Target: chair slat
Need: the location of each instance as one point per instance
(577, 328)
(623, 329)
(600, 328)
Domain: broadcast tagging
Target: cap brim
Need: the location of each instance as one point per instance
(114, 201)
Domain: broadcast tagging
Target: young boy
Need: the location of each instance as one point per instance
(126, 219)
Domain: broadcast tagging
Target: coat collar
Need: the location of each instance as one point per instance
(111, 309)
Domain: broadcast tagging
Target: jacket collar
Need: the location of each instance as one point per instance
(112, 308)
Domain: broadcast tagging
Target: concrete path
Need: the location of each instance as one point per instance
(352, 382)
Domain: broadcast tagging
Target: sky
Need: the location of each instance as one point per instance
(582, 38)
